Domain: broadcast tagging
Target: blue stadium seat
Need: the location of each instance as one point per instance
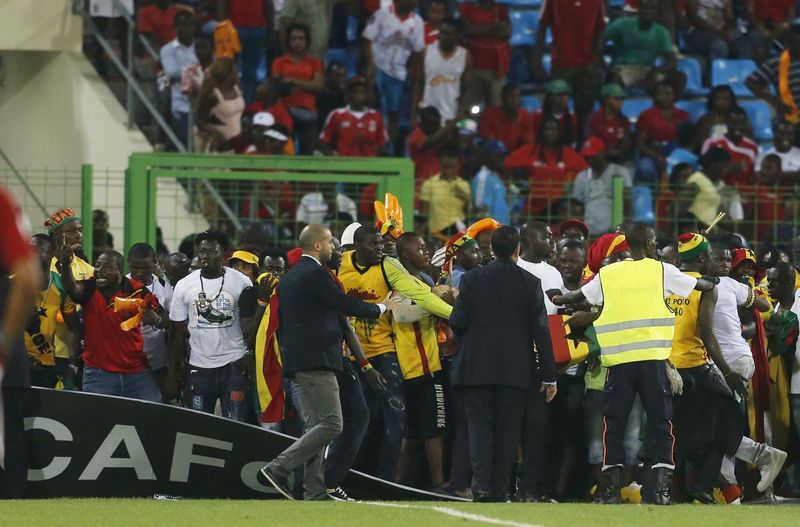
(343, 56)
(760, 115)
(694, 108)
(523, 27)
(633, 107)
(525, 3)
(733, 73)
(352, 30)
(547, 62)
(694, 77)
(531, 103)
(616, 4)
(518, 67)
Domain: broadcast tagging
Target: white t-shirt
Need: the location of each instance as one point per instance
(155, 340)
(394, 40)
(675, 283)
(215, 334)
(727, 326)
(550, 278)
(314, 209)
(794, 387)
(790, 161)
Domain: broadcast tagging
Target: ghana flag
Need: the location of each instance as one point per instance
(269, 377)
(576, 348)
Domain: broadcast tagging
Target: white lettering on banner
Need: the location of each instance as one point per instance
(250, 479)
(60, 433)
(103, 459)
(183, 456)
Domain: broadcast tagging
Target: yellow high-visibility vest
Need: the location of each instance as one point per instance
(635, 324)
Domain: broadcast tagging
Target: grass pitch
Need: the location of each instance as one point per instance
(224, 513)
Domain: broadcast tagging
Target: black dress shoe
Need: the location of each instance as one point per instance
(266, 476)
(479, 496)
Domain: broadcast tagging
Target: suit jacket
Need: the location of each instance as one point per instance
(499, 316)
(309, 306)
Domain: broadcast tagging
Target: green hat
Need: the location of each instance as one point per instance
(612, 90)
(557, 87)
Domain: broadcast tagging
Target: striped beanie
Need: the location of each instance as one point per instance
(691, 245)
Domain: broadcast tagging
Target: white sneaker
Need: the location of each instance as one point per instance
(770, 470)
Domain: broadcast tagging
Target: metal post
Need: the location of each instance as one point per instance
(129, 85)
(86, 210)
(618, 204)
(190, 131)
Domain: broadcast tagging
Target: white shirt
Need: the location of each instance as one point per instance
(727, 326)
(215, 335)
(394, 40)
(675, 283)
(790, 161)
(794, 387)
(548, 276)
(314, 209)
(597, 196)
(174, 57)
(155, 340)
(443, 80)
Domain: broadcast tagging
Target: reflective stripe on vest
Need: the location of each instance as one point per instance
(635, 324)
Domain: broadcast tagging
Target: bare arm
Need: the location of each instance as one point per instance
(465, 80)
(76, 290)
(705, 325)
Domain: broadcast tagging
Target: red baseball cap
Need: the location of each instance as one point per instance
(593, 146)
(573, 222)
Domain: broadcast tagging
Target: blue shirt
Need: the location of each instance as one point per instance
(489, 192)
(174, 57)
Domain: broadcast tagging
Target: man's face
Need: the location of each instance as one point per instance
(542, 242)
(358, 96)
(669, 254)
(370, 250)
(468, 258)
(99, 221)
(176, 268)
(720, 263)
(572, 262)
(389, 245)
(326, 247)
(429, 124)
(209, 254)
(436, 12)
(746, 269)
(648, 10)
(784, 137)
(448, 36)
(773, 283)
(574, 233)
(664, 96)
(597, 161)
(736, 126)
(337, 78)
(416, 252)
(275, 265)
(142, 269)
(650, 246)
(485, 253)
(244, 268)
(185, 29)
(107, 274)
(512, 100)
(449, 167)
(70, 234)
(551, 133)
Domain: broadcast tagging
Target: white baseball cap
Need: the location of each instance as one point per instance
(264, 119)
(349, 233)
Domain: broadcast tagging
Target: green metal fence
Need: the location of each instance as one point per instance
(183, 194)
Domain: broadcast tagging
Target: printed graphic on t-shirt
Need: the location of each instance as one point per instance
(215, 313)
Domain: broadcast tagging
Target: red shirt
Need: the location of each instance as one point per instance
(575, 25)
(285, 66)
(774, 11)
(512, 132)
(743, 158)
(247, 13)
(106, 346)
(538, 116)
(431, 34)
(355, 133)
(658, 128)
(426, 160)
(615, 132)
(14, 248)
(488, 53)
(161, 23)
(548, 172)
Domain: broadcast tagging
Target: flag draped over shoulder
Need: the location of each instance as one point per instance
(269, 380)
(570, 348)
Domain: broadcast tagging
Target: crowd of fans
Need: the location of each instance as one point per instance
(538, 129)
(202, 330)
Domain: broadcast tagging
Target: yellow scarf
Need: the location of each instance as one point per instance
(783, 88)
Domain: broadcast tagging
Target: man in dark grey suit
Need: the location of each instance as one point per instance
(310, 307)
(499, 316)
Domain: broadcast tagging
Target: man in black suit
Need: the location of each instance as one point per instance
(499, 316)
(310, 304)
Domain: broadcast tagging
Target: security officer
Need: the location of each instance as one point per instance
(635, 331)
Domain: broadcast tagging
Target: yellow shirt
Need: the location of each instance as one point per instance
(707, 200)
(416, 343)
(41, 329)
(444, 207)
(688, 350)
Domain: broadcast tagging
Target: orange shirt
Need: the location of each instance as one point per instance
(284, 66)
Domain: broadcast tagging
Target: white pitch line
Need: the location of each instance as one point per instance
(453, 512)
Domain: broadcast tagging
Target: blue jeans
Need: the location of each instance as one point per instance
(254, 41)
(227, 383)
(180, 125)
(342, 451)
(140, 385)
(390, 409)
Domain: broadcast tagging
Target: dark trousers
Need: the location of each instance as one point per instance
(388, 411)
(460, 469)
(494, 418)
(537, 426)
(227, 383)
(342, 451)
(15, 475)
(649, 380)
